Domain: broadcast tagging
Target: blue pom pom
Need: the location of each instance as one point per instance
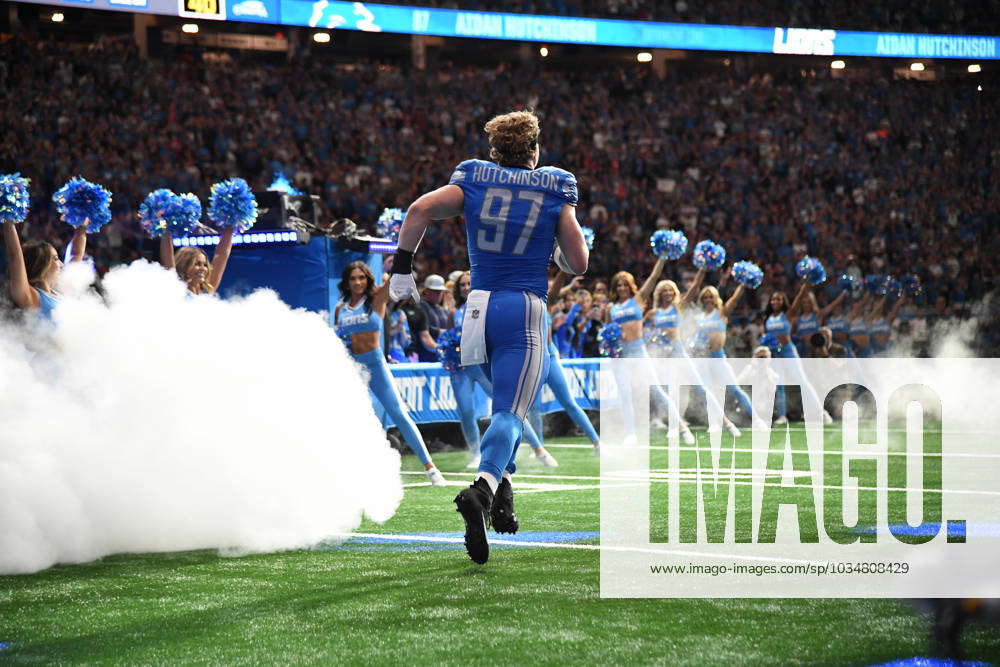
(609, 340)
(887, 286)
(183, 215)
(588, 236)
(449, 349)
(873, 282)
(912, 286)
(849, 283)
(771, 342)
(811, 269)
(389, 223)
(670, 244)
(748, 274)
(232, 204)
(660, 343)
(81, 202)
(153, 211)
(709, 255)
(14, 197)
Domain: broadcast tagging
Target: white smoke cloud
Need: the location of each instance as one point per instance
(156, 422)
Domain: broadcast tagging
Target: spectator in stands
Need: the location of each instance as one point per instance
(427, 319)
(397, 334)
(820, 343)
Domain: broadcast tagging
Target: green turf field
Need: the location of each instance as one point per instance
(402, 602)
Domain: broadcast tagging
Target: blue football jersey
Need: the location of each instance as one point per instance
(511, 217)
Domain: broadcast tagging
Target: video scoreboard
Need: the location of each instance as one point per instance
(338, 15)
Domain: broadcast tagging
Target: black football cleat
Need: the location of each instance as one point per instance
(474, 505)
(502, 512)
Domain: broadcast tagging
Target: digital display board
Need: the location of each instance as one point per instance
(333, 15)
(639, 34)
(168, 7)
(202, 9)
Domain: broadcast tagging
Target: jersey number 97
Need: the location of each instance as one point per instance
(494, 226)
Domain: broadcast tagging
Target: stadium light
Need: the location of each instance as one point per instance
(190, 28)
(917, 67)
(58, 17)
(838, 64)
(321, 37)
(975, 69)
(644, 57)
(544, 51)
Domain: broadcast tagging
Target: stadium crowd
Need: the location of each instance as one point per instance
(878, 176)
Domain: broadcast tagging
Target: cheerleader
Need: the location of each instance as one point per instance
(880, 325)
(359, 321)
(663, 321)
(192, 265)
(857, 327)
(463, 384)
(163, 214)
(710, 336)
(813, 317)
(33, 269)
(778, 324)
(838, 325)
(628, 305)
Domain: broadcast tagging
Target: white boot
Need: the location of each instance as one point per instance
(435, 476)
(547, 459)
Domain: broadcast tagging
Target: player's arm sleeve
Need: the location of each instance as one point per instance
(568, 189)
(462, 174)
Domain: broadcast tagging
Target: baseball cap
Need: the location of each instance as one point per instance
(455, 275)
(434, 282)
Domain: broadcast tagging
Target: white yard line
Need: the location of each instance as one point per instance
(663, 477)
(572, 545)
(537, 488)
(766, 449)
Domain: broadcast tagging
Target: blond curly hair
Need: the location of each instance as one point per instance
(513, 137)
